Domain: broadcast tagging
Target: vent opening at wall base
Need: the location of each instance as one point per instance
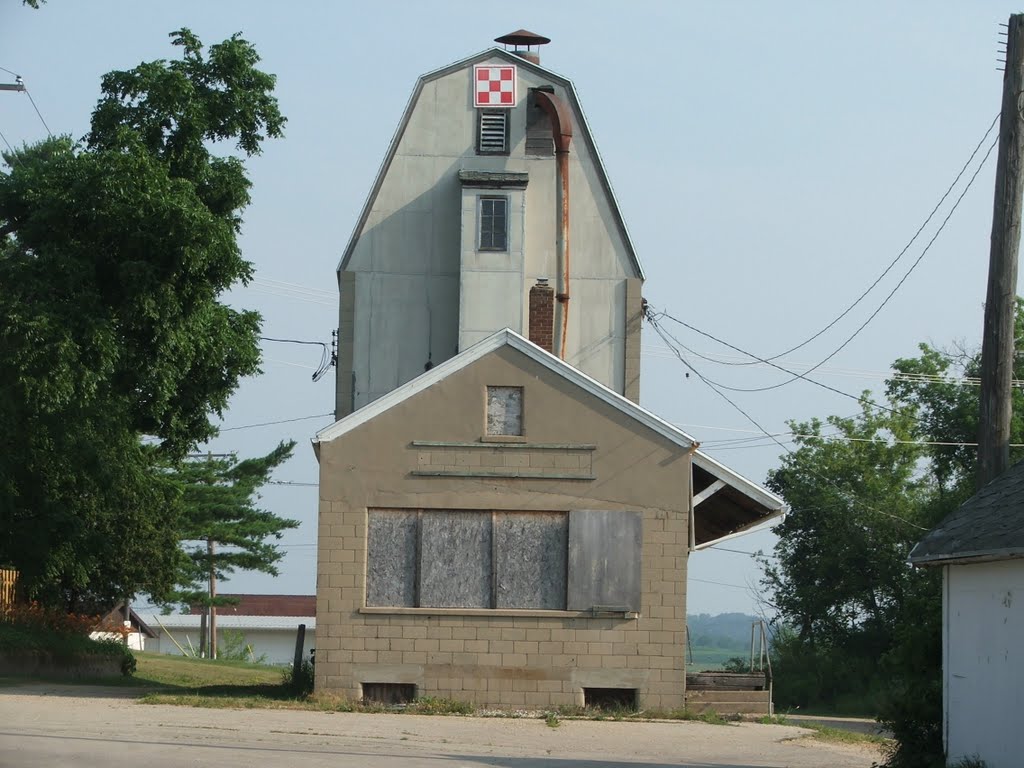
(609, 698)
(389, 693)
(493, 133)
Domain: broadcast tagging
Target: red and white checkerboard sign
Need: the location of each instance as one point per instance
(494, 85)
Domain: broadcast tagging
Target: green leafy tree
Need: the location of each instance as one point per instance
(113, 256)
(860, 628)
(222, 528)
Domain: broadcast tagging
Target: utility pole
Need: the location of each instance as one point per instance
(213, 594)
(997, 346)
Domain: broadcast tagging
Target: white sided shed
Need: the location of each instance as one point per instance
(271, 637)
(980, 548)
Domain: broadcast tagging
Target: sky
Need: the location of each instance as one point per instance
(770, 161)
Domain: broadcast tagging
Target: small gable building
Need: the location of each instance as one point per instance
(980, 548)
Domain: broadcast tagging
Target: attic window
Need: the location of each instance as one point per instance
(505, 411)
(492, 132)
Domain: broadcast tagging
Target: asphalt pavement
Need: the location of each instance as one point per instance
(46, 725)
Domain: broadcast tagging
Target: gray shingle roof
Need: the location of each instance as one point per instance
(988, 526)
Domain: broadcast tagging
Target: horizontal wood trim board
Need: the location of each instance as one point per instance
(509, 474)
(503, 446)
(495, 613)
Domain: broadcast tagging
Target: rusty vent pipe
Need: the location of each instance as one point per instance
(561, 131)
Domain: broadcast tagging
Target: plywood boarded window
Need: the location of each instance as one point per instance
(581, 561)
(604, 560)
(391, 551)
(531, 552)
(455, 560)
(505, 411)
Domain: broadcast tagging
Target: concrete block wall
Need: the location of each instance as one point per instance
(431, 452)
(501, 658)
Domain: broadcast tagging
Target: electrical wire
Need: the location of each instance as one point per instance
(862, 373)
(40, 114)
(660, 331)
(9, 147)
(900, 255)
(327, 357)
(271, 423)
(296, 288)
(653, 318)
(837, 350)
(718, 583)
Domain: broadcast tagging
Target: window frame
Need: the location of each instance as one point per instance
(575, 567)
(499, 436)
(480, 215)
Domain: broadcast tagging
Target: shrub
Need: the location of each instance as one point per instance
(302, 684)
(234, 648)
(736, 664)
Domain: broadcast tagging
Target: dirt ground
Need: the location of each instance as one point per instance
(46, 725)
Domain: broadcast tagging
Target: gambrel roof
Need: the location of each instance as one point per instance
(582, 133)
(735, 503)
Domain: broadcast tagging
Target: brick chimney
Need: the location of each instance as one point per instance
(542, 314)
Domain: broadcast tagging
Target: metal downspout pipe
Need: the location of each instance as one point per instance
(561, 131)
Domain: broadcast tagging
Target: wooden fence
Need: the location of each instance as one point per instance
(8, 583)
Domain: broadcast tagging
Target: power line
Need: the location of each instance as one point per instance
(295, 288)
(718, 583)
(328, 358)
(304, 299)
(294, 341)
(665, 336)
(272, 423)
(864, 373)
(660, 331)
(9, 147)
(863, 325)
(40, 114)
(906, 248)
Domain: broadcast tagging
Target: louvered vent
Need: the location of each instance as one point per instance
(494, 133)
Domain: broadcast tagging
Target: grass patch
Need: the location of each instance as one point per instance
(839, 736)
(161, 670)
(710, 658)
(596, 713)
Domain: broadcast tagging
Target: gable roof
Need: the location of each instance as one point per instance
(115, 617)
(584, 134)
(744, 502)
(988, 526)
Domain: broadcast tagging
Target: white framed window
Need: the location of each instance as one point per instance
(493, 223)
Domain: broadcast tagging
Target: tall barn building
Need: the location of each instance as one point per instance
(500, 520)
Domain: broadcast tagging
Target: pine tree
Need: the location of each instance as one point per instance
(222, 528)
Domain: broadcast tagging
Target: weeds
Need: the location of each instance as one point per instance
(431, 705)
(301, 684)
(551, 720)
(970, 762)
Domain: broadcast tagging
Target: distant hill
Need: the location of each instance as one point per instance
(726, 630)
